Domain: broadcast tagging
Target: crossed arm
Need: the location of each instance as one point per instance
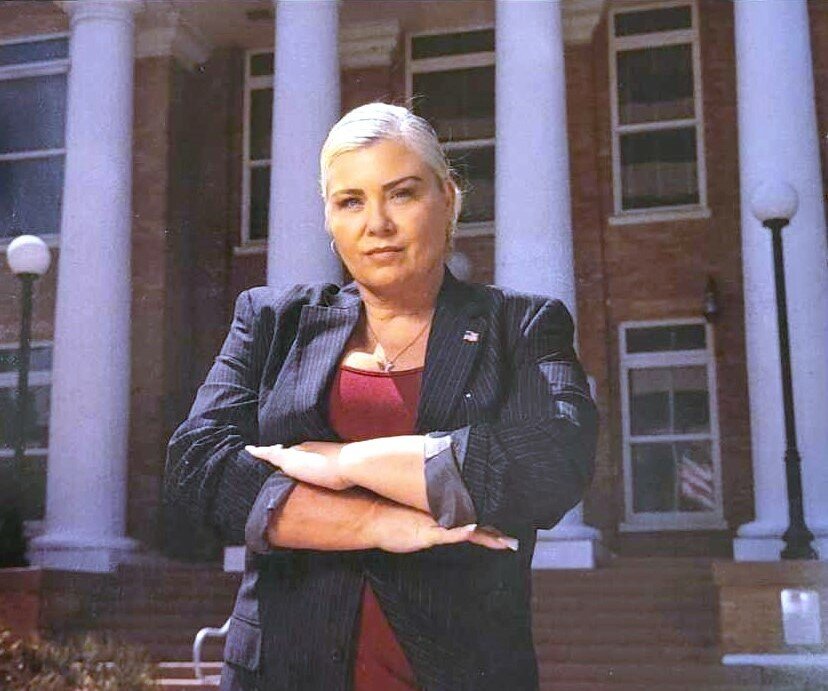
(525, 469)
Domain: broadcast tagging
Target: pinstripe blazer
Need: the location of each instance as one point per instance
(513, 403)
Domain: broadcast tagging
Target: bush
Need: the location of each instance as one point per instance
(82, 665)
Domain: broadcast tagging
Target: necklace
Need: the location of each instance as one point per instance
(388, 364)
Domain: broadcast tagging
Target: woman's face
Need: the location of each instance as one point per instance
(388, 214)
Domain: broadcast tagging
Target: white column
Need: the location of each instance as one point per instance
(778, 139)
(533, 236)
(306, 103)
(89, 423)
(305, 106)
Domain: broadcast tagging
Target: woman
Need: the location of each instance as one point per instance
(386, 450)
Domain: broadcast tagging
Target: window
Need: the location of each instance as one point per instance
(451, 82)
(672, 476)
(258, 117)
(32, 123)
(33, 472)
(657, 133)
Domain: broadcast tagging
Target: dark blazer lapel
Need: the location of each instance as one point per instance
(457, 335)
(321, 337)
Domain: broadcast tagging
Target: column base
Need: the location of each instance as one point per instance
(763, 542)
(69, 552)
(569, 547)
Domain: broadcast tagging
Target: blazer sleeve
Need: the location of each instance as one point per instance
(532, 464)
(208, 473)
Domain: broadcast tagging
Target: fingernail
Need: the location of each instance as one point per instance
(511, 542)
(470, 527)
(249, 448)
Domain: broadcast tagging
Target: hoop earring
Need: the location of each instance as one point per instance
(333, 248)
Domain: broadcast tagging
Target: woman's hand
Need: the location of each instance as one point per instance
(315, 462)
(397, 528)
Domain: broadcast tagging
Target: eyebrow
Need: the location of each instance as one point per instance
(387, 186)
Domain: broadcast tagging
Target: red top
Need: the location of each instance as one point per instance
(366, 405)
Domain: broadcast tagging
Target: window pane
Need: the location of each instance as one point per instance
(453, 44)
(8, 360)
(654, 478)
(40, 359)
(653, 339)
(34, 51)
(37, 417)
(650, 21)
(259, 201)
(261, 64)
(650, 401)
(697, 487)
(669, 400)
(459, 104)
(655, 84)
(659, 168)
(691, 410)
(30, 194)
(475, 167)
(32, 113)
(261, 118)
(32, 478)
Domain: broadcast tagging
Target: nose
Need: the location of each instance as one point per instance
(379, 222)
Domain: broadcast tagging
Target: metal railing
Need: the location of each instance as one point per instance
(207, 632)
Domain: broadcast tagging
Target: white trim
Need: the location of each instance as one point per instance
(26, 70)
(30, 155)
(660, 215)
(33, 38)
(654, 40)
(706, 357)
(474, 229)
(251, 83)
(817, 660)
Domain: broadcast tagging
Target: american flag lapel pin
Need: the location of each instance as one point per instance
(471, 336)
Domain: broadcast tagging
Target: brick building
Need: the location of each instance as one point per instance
(628, 138)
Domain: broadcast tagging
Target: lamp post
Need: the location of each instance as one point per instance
(29, 258)
(775, 204)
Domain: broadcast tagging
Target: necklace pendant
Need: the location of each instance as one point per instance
(387, 366)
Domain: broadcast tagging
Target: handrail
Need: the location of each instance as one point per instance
(207, 632)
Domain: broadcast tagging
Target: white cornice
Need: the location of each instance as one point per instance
(370, 44)
(174, 37)
(580, 17)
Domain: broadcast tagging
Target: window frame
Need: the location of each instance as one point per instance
(653, 521)
(618, 44)
(251, 83)
(41, 68)
(442, 64)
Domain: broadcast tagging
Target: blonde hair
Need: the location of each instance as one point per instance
(373, 122)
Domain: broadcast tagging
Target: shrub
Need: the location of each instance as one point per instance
(82, 665)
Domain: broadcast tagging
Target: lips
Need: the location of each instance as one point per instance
(384, 250)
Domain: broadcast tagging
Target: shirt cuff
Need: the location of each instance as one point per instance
(448, 498)
(271, 497)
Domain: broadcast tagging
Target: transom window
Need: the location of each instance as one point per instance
(258, 117)
(451, 82)
(33, 122)
(672, 475)
(33, 472)
(657, 133)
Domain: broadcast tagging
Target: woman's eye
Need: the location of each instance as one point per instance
(402, 193)
(348, 203)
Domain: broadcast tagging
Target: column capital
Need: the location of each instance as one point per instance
(119, 10)
(170, 34)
